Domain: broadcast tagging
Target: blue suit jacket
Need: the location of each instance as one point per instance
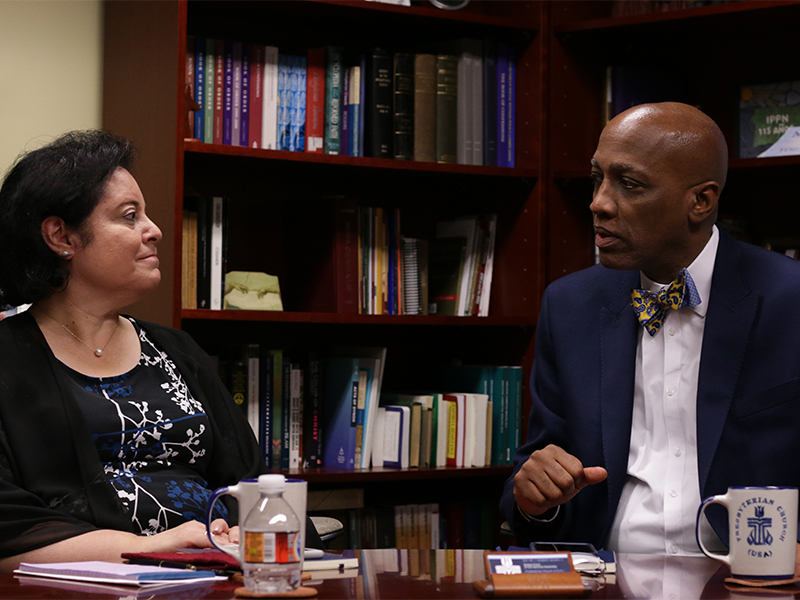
(748, 397)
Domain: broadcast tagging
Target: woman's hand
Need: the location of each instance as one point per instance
(191, 534)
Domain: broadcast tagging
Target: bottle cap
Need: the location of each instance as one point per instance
(271, 484)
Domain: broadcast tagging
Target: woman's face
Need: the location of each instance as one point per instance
(120, 258)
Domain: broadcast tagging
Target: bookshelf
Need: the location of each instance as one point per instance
(715, 48)
(276, 195)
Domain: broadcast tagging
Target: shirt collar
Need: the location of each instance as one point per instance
(701, 270)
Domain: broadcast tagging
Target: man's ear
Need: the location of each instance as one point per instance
(58, 237)
(704, 199)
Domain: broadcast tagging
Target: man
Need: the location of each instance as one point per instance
(632, 425)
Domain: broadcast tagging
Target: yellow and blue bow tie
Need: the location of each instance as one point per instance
(651, 307)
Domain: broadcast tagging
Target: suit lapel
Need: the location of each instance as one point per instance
(729, 321)
(618, 342)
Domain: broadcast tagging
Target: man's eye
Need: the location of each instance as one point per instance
(597, 179)
(628, 184)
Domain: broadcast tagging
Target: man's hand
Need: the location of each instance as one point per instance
(551, 477)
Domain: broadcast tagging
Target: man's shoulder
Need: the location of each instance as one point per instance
(596, 279)
(767, 270)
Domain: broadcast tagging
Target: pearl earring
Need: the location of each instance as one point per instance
(65, 253)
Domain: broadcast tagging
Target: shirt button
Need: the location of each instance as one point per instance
(670, 391)
(673, 493)
(673, 548)
(671, 331)
(677, 452)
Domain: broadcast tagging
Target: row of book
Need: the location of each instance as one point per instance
(309, 410)
(453, 106)
(626, 8)
(461, 524)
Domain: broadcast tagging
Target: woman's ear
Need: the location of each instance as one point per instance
(57, 236)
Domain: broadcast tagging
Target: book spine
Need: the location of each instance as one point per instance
(315, 99)
(464, 107)
(446, 107)
(204, 252)
(312, 421)
(236, 110)
(502, 105)
(333, 100)
(511, 108)
(284, 103)
(452, 430)
(256, 110)
(269, 126)
(403, 117)
(362, 102)
(341, 402)
(227, 126)
(216, 271)
(199, 85)
(344, 130)
(286, 403)
(208, 98)
(295, 417)
(489, 103)
(219, 89)
(266, 389)
(378, 118)
(425, 107)
(244, 120)
(253, 393)
(354, 106)
(298, 104)
(477, 103)
(276, 435)
(189, 83)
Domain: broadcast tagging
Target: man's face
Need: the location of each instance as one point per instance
(641, 201)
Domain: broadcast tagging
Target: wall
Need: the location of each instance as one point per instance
(51, 54)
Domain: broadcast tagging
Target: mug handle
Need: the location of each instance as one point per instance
(723, 500)
(232, 490)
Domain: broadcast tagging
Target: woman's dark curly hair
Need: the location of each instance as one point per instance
(66, 179)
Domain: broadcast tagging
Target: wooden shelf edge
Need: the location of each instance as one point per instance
(435, 13)
(197, 147)
(352, 319)
(323, 475)
(672, 15)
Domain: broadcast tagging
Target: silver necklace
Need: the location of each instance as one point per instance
(98, 352)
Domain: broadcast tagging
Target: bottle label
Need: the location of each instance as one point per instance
(271, 547)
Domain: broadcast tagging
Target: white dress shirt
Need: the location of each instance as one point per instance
(659, 502)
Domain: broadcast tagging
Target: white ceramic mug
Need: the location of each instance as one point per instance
(762, 530)
(247, 494)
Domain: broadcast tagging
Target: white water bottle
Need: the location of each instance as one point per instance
(273, 558)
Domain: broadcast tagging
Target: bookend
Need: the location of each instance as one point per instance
(529, 575)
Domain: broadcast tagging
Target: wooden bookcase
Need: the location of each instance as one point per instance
(275, 194)
(716, 49)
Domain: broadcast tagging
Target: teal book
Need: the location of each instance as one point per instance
(333, 100)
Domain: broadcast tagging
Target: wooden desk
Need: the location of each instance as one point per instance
(446, 574)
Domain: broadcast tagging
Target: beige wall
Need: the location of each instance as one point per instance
(51, 59)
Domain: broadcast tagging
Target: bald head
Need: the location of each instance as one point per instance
(686, 137)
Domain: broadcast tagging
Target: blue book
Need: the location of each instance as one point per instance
(503, 91)
(340, 401)
(284, 102)
(355, 114)
(244, 120)
(297, 88)
(344, 130)
(265, 387)
(489, 103)
(333, 100)
(227, 106)
(199, 85)
(511, 106)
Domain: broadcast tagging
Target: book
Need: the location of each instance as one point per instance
(227, 106)
(253, 388)
(107, 572)
(330, 561)
(344, 122)
(269, 125)
(397, 436)
(236, 93)
(378, 104)
(340, 399)
(204, 252)
(276, 429)
(484, 380)
(489, 74)
(504, 57)
(189, 83)
(315, 99)
(217, 251)
(199, 86)
(462, 228)
(446, 107)
(266, 389)
(210, 91)
(312, 418)
(297, 378)
(445, 266)
(333, 99)
(256, 90)
(356, 107)
(425, 107)
(403, 106)
(466, 51)
(767, 112)
(284, 131)
(189, 257)
(286, 412)
(297, 86)
(219, 90)
(244, 103)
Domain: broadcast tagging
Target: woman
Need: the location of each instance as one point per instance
(113, 431)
